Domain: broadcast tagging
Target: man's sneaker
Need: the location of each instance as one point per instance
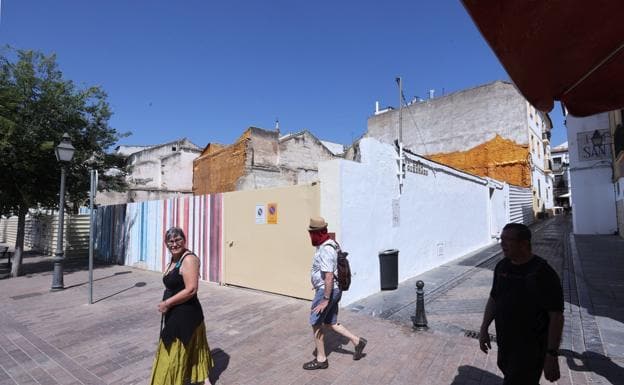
(359, 348)
(314, 364)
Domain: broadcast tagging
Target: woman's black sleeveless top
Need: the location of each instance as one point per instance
(182, 319)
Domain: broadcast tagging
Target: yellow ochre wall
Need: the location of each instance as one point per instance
(218, 169)
(498, 158)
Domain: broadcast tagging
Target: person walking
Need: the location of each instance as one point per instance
(183, 355)
(526, 304)
(324, 309)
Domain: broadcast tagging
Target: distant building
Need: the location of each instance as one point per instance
(261, 159)
(561, 173)
(155, 172)
(489, 130)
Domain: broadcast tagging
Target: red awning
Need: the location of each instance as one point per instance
(567, 50)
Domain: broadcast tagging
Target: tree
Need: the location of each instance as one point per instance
(37, 105)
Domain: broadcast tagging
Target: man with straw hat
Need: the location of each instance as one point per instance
(324, 310)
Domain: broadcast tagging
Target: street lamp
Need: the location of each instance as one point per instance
(596, 139)
(64, 154)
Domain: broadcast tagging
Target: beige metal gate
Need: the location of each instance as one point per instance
(259, 254)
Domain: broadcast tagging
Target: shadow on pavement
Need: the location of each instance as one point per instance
(138, 284)
(221, 361)
(595, 363)
(470, 374)
(101, 278)
(34, 263)
(601, 261)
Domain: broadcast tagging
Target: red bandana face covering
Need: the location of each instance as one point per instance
(318, 237)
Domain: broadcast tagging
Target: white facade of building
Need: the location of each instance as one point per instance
(439, 215)
(591, 173)
(465, 119)
(561, 172)
(156, 172)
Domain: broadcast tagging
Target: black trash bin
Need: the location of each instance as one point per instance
(389, 269)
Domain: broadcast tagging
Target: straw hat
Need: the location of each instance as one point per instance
(317, 223)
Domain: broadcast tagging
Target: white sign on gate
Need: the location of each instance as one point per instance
(260, 215)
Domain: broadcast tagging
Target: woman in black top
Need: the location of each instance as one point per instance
(183, 354)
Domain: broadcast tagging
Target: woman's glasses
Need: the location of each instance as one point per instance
(172, 242)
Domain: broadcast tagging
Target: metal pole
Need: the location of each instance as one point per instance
(91, 225)
(57, 277)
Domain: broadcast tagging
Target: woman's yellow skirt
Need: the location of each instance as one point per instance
(179, 364)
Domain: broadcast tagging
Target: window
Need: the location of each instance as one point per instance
(539, 188)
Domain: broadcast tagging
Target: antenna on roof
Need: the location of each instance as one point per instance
(277, 126)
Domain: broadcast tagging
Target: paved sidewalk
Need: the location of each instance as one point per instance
(260, 338)
(592, 272)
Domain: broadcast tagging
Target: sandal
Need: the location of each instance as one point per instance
(359, 348)
(314, 364)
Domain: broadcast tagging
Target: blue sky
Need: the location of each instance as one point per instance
(207, 70)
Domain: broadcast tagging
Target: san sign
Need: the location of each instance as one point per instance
(594, 145)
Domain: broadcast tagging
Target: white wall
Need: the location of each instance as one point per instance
(441, 216)
(593, 203)
(499, 207)
(177, 171)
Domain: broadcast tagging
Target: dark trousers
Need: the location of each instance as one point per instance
(520, 368)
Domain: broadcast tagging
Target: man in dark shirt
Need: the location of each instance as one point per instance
(526, 303)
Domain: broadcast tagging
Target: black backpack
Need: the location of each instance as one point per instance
(343, 274)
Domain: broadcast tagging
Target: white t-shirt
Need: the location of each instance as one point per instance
(325, 260)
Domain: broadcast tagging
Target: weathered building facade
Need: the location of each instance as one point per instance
(155, 172)
(489, 130)
(260, 159)
(561, 174)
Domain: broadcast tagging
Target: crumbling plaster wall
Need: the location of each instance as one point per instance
(177, 173)
(457, 122)
(303, 152)
(219, 171)
(263, 149)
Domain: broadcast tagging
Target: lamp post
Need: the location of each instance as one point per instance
(64, 154)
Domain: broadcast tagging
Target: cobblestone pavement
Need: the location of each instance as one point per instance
(256, 338)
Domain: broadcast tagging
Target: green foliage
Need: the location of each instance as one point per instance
(37, 105)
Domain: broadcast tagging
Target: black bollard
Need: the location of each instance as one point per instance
(420, 320)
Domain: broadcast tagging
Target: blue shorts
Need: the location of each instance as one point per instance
(330, 314)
